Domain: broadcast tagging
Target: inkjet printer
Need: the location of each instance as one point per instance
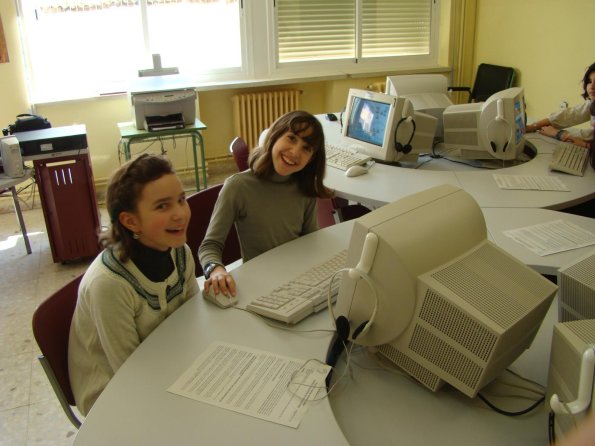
(160, 105)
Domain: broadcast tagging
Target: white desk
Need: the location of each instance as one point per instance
(11, 183)
(384, 183)
(135, 408)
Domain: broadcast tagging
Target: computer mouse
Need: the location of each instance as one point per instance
(355, 171)
(221, 300)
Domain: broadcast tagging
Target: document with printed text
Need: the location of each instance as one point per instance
(254, 382)
(530, 182)
(552, 237)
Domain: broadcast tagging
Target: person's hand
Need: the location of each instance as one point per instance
(548, 130)
(530, 128)
(221, 281)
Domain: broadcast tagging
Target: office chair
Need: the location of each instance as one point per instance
(489, 79)
(239, 150)
(202, 204)
(51, 328)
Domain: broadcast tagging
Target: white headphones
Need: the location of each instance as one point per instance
(499, 118)
(585, 388)
(361, 270)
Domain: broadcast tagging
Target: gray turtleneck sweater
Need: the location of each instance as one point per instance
(267, 213)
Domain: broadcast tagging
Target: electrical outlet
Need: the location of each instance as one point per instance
(563, 105)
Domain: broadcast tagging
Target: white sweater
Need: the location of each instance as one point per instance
(117, 308)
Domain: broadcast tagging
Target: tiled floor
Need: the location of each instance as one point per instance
(30, 414)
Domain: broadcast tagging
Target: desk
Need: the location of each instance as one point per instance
(384, 183)
(11, 183)
(129, 134)
(135, 408)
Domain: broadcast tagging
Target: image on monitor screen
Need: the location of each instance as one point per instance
(368, 121)
(448, 305)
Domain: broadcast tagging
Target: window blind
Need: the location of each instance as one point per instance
(315, 29)
(395, 27)
(328, 29)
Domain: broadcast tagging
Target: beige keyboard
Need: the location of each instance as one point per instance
(344, 158)
(304, 295)
(569, 158)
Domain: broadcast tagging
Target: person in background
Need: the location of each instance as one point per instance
(144, 273)
(555, 125)
(271, 203)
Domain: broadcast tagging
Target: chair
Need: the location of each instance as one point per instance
(325, 212)
(240, 152)
(202, 204)
(51, 328)
(489, 79)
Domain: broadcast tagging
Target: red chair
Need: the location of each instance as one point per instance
(51, 328)
(202, 204)
(240, 152)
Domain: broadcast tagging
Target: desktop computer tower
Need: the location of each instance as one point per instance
(69, 205)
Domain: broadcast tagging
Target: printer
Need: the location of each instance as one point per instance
(160, 104)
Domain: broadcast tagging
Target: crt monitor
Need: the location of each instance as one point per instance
(435, 296)
(385, 127)
(427, 92)
(571, 374)
(493, 129)
(576, 299)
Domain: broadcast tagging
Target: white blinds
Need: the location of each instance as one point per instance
(315, 29)
(328, 29)
(395, 27)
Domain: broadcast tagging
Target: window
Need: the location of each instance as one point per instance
(84, 48)
(359, 30)
(79, 48)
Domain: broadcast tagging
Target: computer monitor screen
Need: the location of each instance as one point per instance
(368, 121)
(385, 127)
(435, 296)
(493, 129)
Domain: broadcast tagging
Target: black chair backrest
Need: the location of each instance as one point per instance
(202, 204)
(491, 79)
(51, 328)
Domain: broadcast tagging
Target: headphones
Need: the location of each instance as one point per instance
(341, 323)
(406, 148)
(585, 388)
(500, 118)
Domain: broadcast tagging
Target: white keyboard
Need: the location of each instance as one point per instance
(343, 158)
(304, 295)
(569, 158)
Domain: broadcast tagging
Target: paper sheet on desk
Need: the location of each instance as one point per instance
(530, 182)
(552, 237)
(253, 382)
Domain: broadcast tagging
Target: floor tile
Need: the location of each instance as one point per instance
(13, 426)
(15, 381)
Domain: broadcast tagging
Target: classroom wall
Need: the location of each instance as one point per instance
(549, 42)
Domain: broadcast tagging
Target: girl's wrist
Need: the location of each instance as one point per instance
(562, 135)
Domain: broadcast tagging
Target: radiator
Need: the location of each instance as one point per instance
(254, 112)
